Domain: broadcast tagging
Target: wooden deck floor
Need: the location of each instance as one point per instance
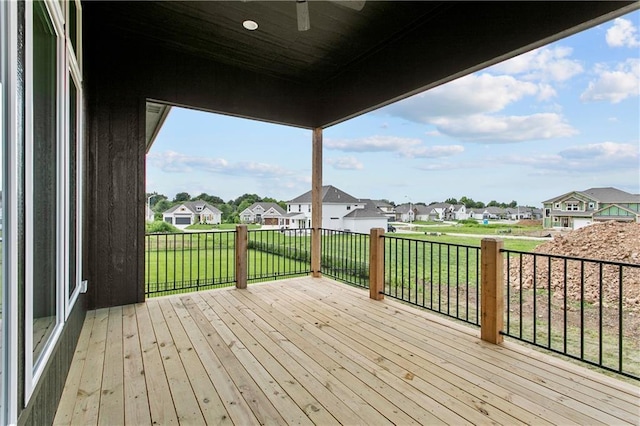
(309, 351)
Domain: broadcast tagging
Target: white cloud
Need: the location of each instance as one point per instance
(614, 85)
(436, 151)
(545, 64)
(472, 94)
(372, 144)
(175, 162)
(622, 34)
(591, 158)
(505, 129)
(345, 163)
(405, 147)
(262, 170)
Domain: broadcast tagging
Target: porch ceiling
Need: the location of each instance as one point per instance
(348, 63)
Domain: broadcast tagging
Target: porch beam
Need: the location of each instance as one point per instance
(316, 201)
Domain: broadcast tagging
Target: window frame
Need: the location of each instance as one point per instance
(67, 69)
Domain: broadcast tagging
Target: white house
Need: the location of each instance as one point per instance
(191, 212)
(340, 211)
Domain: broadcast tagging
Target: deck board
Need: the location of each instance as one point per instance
(313, 351)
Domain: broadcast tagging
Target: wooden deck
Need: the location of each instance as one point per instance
(313, 351)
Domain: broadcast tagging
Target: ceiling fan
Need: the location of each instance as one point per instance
(302, 10)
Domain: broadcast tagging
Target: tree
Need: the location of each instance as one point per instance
(493, 203)
(513, 204)
(451, 201)
(162, 205)
(181, 197)
(227, 213)
(251, 198)
(211, 199)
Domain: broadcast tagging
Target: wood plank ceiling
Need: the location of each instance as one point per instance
(350, 61)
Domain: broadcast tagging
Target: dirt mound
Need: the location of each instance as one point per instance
(610, 241)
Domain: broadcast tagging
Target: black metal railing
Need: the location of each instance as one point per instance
(443, 278)
(180, 262)
(585, 309)
(345, 256)
(274, 254)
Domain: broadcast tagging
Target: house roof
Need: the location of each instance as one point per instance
(602, 195)
(330, 194)
(339, 68)
(439, 205)
(266, 206)
(191, 206)
(369, 211)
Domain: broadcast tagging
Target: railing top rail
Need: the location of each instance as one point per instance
(583, 259)
(223, 231)
(430, 242)
(343, 231)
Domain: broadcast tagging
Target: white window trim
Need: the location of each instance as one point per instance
(10, 402)
(33, 372)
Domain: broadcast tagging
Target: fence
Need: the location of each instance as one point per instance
(345, 256)
(175, 263)
(581, 308)
(444, 278)
(274, 254)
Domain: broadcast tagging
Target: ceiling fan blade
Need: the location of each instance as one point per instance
(302, 10)
(351, 4)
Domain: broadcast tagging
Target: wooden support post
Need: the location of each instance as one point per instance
(316, 203)
(376, 264)
(492, 292)
(242, 239)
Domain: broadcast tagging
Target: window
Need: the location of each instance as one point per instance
(348, 207)
(299, 207)
(556, 206)
(572, 206)
(43, 181)
(592, 205)
(52, 179)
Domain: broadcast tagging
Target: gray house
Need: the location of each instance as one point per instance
(192, 212)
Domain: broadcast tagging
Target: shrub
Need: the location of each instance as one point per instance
(161, 226)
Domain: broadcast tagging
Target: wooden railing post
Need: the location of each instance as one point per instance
(242, 239)
(492, 292)
(376, 264)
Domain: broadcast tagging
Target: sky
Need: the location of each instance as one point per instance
(563, 117)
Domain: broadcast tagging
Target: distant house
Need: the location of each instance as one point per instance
(385, 208)
(191, 212)
(577, 209)
(340, 211)
(149, 215)
(459, 212)
(494, 213)
(421, 212)
(269, 215)
(405, 213)
(439, 211)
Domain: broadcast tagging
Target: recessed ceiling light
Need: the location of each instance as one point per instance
(250, 25)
